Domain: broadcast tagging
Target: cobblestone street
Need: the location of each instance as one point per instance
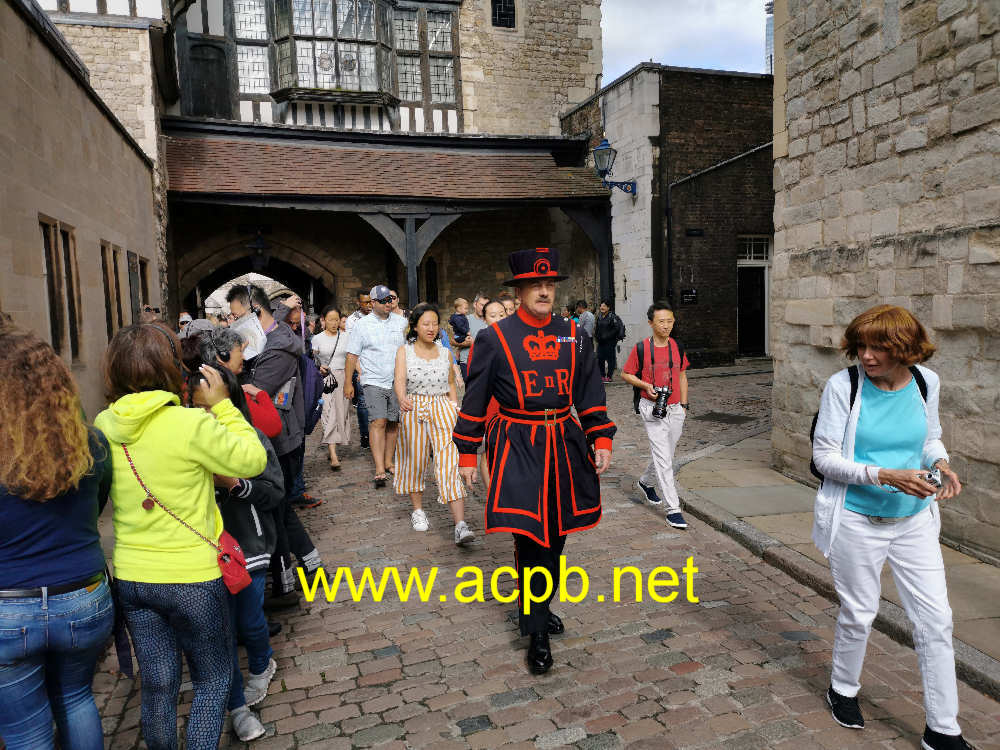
(744, 667)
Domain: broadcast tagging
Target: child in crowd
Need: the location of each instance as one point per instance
(460, 323)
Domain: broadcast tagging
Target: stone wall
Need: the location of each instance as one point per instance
(517, 81)
(65, 160)
(121, 71)
(887, 192)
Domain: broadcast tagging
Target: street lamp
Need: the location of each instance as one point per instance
(604, 160)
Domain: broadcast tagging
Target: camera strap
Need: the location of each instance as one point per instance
(670, 362)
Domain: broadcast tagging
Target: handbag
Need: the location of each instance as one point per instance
(232, 562)
(330, 381)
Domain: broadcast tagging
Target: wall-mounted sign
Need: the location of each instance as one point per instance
(689, 296)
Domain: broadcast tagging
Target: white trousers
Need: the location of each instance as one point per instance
(663, 436)
(911, 546)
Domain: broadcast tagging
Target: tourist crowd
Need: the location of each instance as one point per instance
(201, 452)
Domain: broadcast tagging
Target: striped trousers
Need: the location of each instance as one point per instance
(428, 426)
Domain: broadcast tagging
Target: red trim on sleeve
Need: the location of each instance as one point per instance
(463, 437)
(599, 427)
(602, 443)
(463, 415)
(591, 410)
(468, 460)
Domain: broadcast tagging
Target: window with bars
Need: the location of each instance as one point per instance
(504, 14)
(425, 41)
(755, 247)
(407, 30)
(250, 19)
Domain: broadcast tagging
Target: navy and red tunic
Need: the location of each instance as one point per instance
(538, 450)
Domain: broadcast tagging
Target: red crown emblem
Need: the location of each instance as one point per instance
(541, 347)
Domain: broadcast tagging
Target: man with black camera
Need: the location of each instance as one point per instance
(656, 368)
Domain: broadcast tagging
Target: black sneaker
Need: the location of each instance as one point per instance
(648, 492)
(936, 741)
(846, 711)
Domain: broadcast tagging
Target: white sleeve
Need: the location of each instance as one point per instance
(831, 429)
(934, 449)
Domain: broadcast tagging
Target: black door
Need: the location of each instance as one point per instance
(750, 310)
(207, 87)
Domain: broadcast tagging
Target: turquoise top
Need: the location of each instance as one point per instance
(892, 428)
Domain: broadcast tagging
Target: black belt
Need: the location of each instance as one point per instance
(51, 590)
(541, 416)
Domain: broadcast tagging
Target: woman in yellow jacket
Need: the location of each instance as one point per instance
(169, 585)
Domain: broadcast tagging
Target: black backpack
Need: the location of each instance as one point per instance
(854, 373)
(640, 352)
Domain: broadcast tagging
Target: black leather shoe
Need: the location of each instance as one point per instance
(555, 625)
(273, 628)
(539, 653)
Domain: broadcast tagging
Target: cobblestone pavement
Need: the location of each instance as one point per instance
(744, 667)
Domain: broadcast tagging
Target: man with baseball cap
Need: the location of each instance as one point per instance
(373, 344)
(544, 464)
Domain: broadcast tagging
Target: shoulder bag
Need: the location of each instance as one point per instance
(232, 562)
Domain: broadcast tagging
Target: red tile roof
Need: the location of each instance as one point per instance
(256, 167)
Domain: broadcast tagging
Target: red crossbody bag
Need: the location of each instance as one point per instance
(232, 562)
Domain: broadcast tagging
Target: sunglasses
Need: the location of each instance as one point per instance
(393, 296)
(385, 301)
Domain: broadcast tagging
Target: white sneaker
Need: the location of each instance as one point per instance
(255, 689)
(419, 520)
(463, 534)
(246, 725)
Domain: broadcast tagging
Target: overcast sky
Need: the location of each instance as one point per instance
(720, 34)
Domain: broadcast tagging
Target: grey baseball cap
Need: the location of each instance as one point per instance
(380, 292)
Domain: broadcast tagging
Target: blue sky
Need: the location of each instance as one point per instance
(721, 34)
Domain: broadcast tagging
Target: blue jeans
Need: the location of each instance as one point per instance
(48, 652)
(165, 620)
(247, 612)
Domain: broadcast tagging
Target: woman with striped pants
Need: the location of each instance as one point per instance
(425, 386)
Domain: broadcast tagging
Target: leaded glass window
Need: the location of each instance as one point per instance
(442, 79)
(251, 19)
(439, 32)
(410, 88)
(407, 36)
(755, 248)
(254, 70)
(504, 14)
(341, 45)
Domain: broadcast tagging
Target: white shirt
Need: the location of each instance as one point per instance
(375, 342)
(353, 318)
(326, 346)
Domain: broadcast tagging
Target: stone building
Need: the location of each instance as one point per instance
(886, 146)
(698, 228)
(78, 220)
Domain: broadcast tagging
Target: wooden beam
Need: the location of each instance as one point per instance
(390, 231)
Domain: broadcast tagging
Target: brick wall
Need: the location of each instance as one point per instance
(888, 192)
(519, 80)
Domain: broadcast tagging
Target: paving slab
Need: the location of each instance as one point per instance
(761, 500)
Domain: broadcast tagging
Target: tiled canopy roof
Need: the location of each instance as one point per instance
(256, 167)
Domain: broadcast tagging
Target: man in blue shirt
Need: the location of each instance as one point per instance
(373, 344)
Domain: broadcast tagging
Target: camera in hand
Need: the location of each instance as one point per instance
(662, 396)
(933, 478)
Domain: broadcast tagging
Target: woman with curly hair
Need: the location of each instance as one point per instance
(55, 605)
(878, 447)
(169, 584)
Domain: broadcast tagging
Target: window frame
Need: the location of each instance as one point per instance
(61, 270)
(426, 55)
(493, 15)
(380, 45)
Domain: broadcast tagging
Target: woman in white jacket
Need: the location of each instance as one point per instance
(876, 503)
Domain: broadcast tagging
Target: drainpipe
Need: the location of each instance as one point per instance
(669, 209)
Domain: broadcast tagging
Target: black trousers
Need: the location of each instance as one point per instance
(292, 535)
(606, 357)
(530, 554)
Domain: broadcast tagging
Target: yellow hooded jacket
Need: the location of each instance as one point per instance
(176, 451)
